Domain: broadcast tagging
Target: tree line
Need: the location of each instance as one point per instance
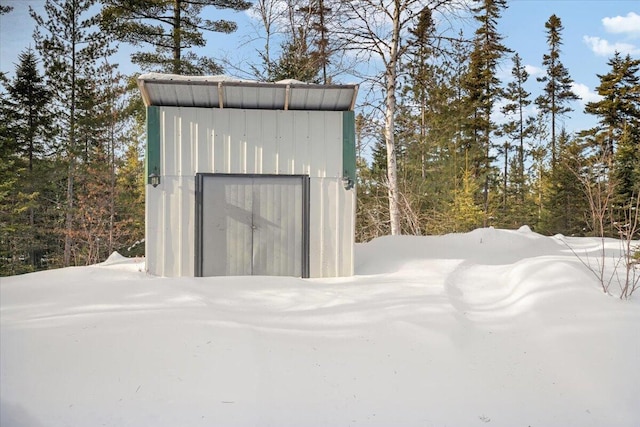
(452, 146)
(457, 148)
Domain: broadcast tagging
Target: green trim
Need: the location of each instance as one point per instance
(349, 148)
(153, 142)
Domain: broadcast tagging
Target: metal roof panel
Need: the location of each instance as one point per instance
(224, 92)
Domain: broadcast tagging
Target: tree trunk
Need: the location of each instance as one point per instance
(392, 168)
(71, 150)
(390, 111)
(177, 66)
(505, 179)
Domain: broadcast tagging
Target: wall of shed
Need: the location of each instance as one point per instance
(204, 140)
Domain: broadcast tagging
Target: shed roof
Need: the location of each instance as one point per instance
(226, 92)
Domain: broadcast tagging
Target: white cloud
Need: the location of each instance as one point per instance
(629, 24)
(603, 47)
(585, 93)
(534, 71)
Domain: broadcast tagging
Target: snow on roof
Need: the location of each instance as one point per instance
(224, 91)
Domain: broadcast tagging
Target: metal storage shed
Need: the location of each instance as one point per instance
(248, 178)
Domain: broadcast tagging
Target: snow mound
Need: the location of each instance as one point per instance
(115, 258)
(487, 246)
(118, 261)
(525, 229)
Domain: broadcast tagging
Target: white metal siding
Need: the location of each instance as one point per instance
(256, 142)
(251, 141)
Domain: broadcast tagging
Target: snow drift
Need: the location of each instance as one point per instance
(492, 327)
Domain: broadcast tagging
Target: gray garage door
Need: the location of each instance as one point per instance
(252, 225)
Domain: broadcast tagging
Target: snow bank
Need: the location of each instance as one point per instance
(116, 260)
(492, 327)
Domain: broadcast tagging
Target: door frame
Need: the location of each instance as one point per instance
(199, 215)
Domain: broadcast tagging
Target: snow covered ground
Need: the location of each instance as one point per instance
(492, 327)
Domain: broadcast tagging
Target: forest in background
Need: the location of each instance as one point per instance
(444, 145)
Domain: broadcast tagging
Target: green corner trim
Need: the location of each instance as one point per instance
(349, 147)
(153, 142)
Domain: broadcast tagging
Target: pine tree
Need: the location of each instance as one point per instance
(104, 124)
(484, 89)
(517, 129)
(372, 210)
(565, 201)
(9, 173)
(130, 192)
(617, 134)
(93, 209)
(172, 28)
(557, 92)
(27, 136)
(421, 76)
(620, 103)
(626, 171)
(29, 100)
(318, 14)
(69, 44)
(539, 170)
(464, 211)
(296, 61)
(386, 41)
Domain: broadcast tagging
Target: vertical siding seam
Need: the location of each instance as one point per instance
(244, 156)
(181, 249)
(214, 147)
(162, 233)
(340, 228)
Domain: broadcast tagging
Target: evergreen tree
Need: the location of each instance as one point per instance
(386, 41)
(565, 201)
(484, 89)
(372, 211)
(518, 127)
(416, 144)
(464, 211)
(616, 136)
(172, 28)
(421, 76)
(130, 192)
(318, 14)
(620, 103)
(626, 171)
(25, 139)
(93, 208)
(28, 101)
(296, 61)
(432, 110)
(105, 127)
(70, 45)
(557, 92)
(9, 173)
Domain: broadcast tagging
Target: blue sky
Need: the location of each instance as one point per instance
(593, 30)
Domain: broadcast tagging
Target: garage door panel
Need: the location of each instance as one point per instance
(277, 241)
(252, 224)
(226, 227)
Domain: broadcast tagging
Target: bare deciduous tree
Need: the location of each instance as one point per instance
(377, 30)
(629, 231)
